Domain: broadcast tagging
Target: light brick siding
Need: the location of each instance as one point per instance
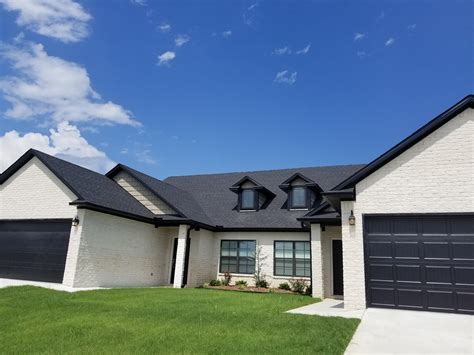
(110, 251)
(203, 258)
(143, 194)
(321, 259)
(35, 192)
(434, 176)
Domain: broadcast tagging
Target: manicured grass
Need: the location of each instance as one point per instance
(36, 320)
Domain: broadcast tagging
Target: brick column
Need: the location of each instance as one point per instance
(316, 262)
(180, 256)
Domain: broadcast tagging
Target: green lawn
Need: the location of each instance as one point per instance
(164, 320)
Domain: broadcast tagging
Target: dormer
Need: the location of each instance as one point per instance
(252, 196)
(302, 192)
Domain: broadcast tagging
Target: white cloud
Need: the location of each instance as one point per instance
(249, 14)
(139, 2)
(361, 54)
(304, 50)
(389, 41)
(64, 142)
(64, 20)
(381, 16)
(181, 40)
(358, 36)
(226, 34)
(145, 156)
(282, 50)
(166, 58)
(49, 87)
(285, 77)
(411, 27)
(164, 27)
(253, 6)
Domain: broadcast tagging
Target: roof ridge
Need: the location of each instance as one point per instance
(265, 171)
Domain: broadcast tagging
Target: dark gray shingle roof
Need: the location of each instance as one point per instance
(90, 186)
(213, 195)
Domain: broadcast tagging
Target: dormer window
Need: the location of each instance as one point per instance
(248, 199)
(252, 196)
(302, 192)
(298, 197)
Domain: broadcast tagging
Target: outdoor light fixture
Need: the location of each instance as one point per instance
(75, 221)
(352, 219)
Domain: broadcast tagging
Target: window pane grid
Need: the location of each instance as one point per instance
(292, 259)
(238, 256)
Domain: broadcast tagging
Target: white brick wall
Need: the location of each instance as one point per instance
(35, 192)
(434, 176)
(203, 258)
(143, 194)
(108, 251)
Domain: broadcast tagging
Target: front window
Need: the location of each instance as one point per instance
(292, 259)
(298, 197)
(248, 200)
(238, 256)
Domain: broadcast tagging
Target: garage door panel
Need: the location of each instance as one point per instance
(440, 300)
(383, 296)
(381, 272)
(380, 250)
(465, 301)
(464, 276)
(406, 250)
(410, 298)
(427, 264)
(463, 251)
(408, 273)
(34, 250)
(439, 275)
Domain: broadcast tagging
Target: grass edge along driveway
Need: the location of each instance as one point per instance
(164, 320)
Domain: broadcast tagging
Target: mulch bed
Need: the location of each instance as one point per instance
(251, 289)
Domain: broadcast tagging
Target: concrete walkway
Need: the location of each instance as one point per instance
(328, 308)
(53, 286)
(384, 331)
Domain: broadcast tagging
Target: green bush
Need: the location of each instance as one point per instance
(298, 285)
(215, 283)
(241, 283)
(261, 283)
(309, 291)
(284, 286)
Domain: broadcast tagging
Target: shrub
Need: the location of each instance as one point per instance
(284, 286)
(241, 283)
(227, 279)
(298, 285)
(215, 283)
(309, 291)
(262, 283)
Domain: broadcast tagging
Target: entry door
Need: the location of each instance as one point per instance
(337, 268)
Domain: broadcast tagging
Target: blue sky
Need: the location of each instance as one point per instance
(242, 85)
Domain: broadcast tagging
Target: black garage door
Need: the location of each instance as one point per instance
(420, 262)
(34, 250)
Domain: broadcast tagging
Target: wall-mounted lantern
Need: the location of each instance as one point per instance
(352, 219)
(75, 221)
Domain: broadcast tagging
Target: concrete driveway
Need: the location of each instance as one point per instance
(53, 286)
(384, 331)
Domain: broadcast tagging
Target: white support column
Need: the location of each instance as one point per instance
(180, 256)
(316, 262)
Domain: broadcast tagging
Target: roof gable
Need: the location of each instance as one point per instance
(407, 143)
